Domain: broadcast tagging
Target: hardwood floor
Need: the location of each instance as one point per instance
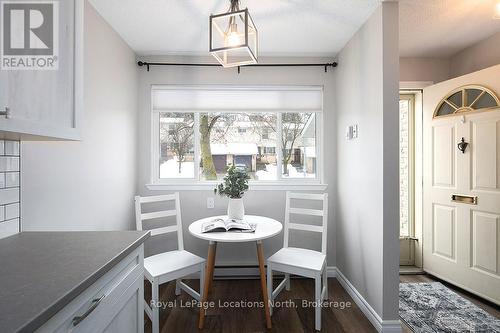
(299, 319)
(493, 309)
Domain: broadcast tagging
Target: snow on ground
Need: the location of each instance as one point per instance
(170, 169)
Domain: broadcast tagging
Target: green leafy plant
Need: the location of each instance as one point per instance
(235, 183)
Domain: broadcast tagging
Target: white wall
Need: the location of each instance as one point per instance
(267, 203)
(481, 55)
(89, 185)
(367, 205)
(424, 69)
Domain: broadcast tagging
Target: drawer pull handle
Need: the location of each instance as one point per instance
(95, 303)
(466, 199)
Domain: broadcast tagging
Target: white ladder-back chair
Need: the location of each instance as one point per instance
(167, 266)
(298, 261)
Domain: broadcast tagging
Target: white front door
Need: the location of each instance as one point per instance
(462, 201)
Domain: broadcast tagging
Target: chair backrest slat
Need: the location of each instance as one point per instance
(157, 198)
(305, 227)
(163, 230)
(156, 215)
(306, 211)
(306, 196)
(140, 217)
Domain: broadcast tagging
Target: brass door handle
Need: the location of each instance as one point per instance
(466, 199)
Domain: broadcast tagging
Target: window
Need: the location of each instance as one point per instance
(176, 145)
(269, 150)
(467, 99)
(406, 164)
(265, 133)
(299, 145)
(272, 133)
(234, 146)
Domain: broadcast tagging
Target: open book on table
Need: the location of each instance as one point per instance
(220, 224)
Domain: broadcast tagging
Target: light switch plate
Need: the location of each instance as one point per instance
(210, 203)
(348, 133)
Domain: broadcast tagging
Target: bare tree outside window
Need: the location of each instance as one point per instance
(233, 139)
(176, 144)
(293, 124)
(298, 134)
(247, 140)
(213, 129)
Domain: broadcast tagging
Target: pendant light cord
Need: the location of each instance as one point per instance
(234, 6)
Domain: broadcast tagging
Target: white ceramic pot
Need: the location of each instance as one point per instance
(235, 209)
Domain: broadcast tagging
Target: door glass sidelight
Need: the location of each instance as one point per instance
(406, 165)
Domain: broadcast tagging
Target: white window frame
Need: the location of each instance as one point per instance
(195, 183)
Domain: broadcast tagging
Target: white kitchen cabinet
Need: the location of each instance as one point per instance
(113, 304)
(48, 103)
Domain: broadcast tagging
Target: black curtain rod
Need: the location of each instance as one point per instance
(148, 64)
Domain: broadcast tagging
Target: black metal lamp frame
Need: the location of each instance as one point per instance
(246, 17)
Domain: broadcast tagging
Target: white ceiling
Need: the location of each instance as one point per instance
(441, 28)
(428, 28)
(286, 27)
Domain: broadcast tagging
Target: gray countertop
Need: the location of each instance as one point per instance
(41, 272)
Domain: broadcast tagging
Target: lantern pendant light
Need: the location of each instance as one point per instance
(233, 37)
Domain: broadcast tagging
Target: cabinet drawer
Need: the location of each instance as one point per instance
(94, 309)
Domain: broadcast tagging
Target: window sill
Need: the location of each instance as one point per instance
(253, 187)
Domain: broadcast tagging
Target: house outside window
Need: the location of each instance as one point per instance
(271, 142)
(265, 133)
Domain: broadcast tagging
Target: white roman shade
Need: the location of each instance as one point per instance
(231, 99)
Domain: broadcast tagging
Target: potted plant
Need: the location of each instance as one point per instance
(234, 186)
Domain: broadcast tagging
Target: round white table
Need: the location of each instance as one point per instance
(266, 228)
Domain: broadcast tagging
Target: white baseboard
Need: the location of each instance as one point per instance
(331, 271)
(382, 326)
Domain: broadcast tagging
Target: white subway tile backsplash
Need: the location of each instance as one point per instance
(9, 163)
(12, 148)
(9, 187)
(11, 179)
(12, 211)
(9, 195)
(9, 228)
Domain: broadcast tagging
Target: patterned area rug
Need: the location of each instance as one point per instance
(431, 308)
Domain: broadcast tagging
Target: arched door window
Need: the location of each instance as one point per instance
(467, 99)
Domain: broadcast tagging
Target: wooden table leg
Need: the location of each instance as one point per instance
(209, 273)
(210, 282)
(260, 256)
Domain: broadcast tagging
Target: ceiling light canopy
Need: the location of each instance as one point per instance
(233, 37)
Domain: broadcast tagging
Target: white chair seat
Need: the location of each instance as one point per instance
(169, 262)
(301, 258)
